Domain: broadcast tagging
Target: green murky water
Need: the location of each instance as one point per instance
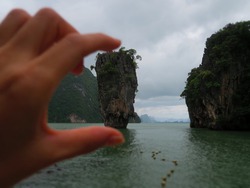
(192, 158)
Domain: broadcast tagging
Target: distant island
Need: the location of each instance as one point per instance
(145, 118)
(217, 92)
(75, 100)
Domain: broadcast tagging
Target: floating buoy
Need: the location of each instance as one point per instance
(175, 163)
(163, 183)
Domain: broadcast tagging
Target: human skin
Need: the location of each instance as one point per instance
(36, 52)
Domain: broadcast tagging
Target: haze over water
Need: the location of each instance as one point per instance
(192, 158)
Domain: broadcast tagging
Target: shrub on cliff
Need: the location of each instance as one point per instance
(217, 93)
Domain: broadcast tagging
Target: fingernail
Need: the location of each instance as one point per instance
(115, 140)
(118, 41)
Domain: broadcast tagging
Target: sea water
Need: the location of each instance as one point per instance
(155, 155)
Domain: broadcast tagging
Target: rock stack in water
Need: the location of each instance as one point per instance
(217, 92)
(117, 85)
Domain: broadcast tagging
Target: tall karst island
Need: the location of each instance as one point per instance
(217, 92)
(117, 86)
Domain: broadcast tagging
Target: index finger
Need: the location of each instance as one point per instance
(64, 56)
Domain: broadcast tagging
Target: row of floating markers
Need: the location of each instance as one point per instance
(170, 173)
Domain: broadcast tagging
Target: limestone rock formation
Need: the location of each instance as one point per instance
(117, 85)
(217, 93)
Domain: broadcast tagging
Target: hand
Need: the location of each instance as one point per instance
(36, 52)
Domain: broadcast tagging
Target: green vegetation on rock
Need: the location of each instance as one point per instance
(217, 92)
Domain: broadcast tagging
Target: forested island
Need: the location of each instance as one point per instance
(76, 100)
(217, 92)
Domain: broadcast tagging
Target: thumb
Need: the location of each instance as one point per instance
(70, 143)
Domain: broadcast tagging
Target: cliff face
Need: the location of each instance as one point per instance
(75, 100)
(117, 84)
(217, 92)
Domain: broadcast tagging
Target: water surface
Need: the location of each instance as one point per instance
(192, 158)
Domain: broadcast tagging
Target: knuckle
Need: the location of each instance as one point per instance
(10, 77)
(17, 12)
(23, 80)
(19, 15)
(46, 10)
(73, 39)
(47, 13)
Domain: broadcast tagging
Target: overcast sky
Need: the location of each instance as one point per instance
(170, 36)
